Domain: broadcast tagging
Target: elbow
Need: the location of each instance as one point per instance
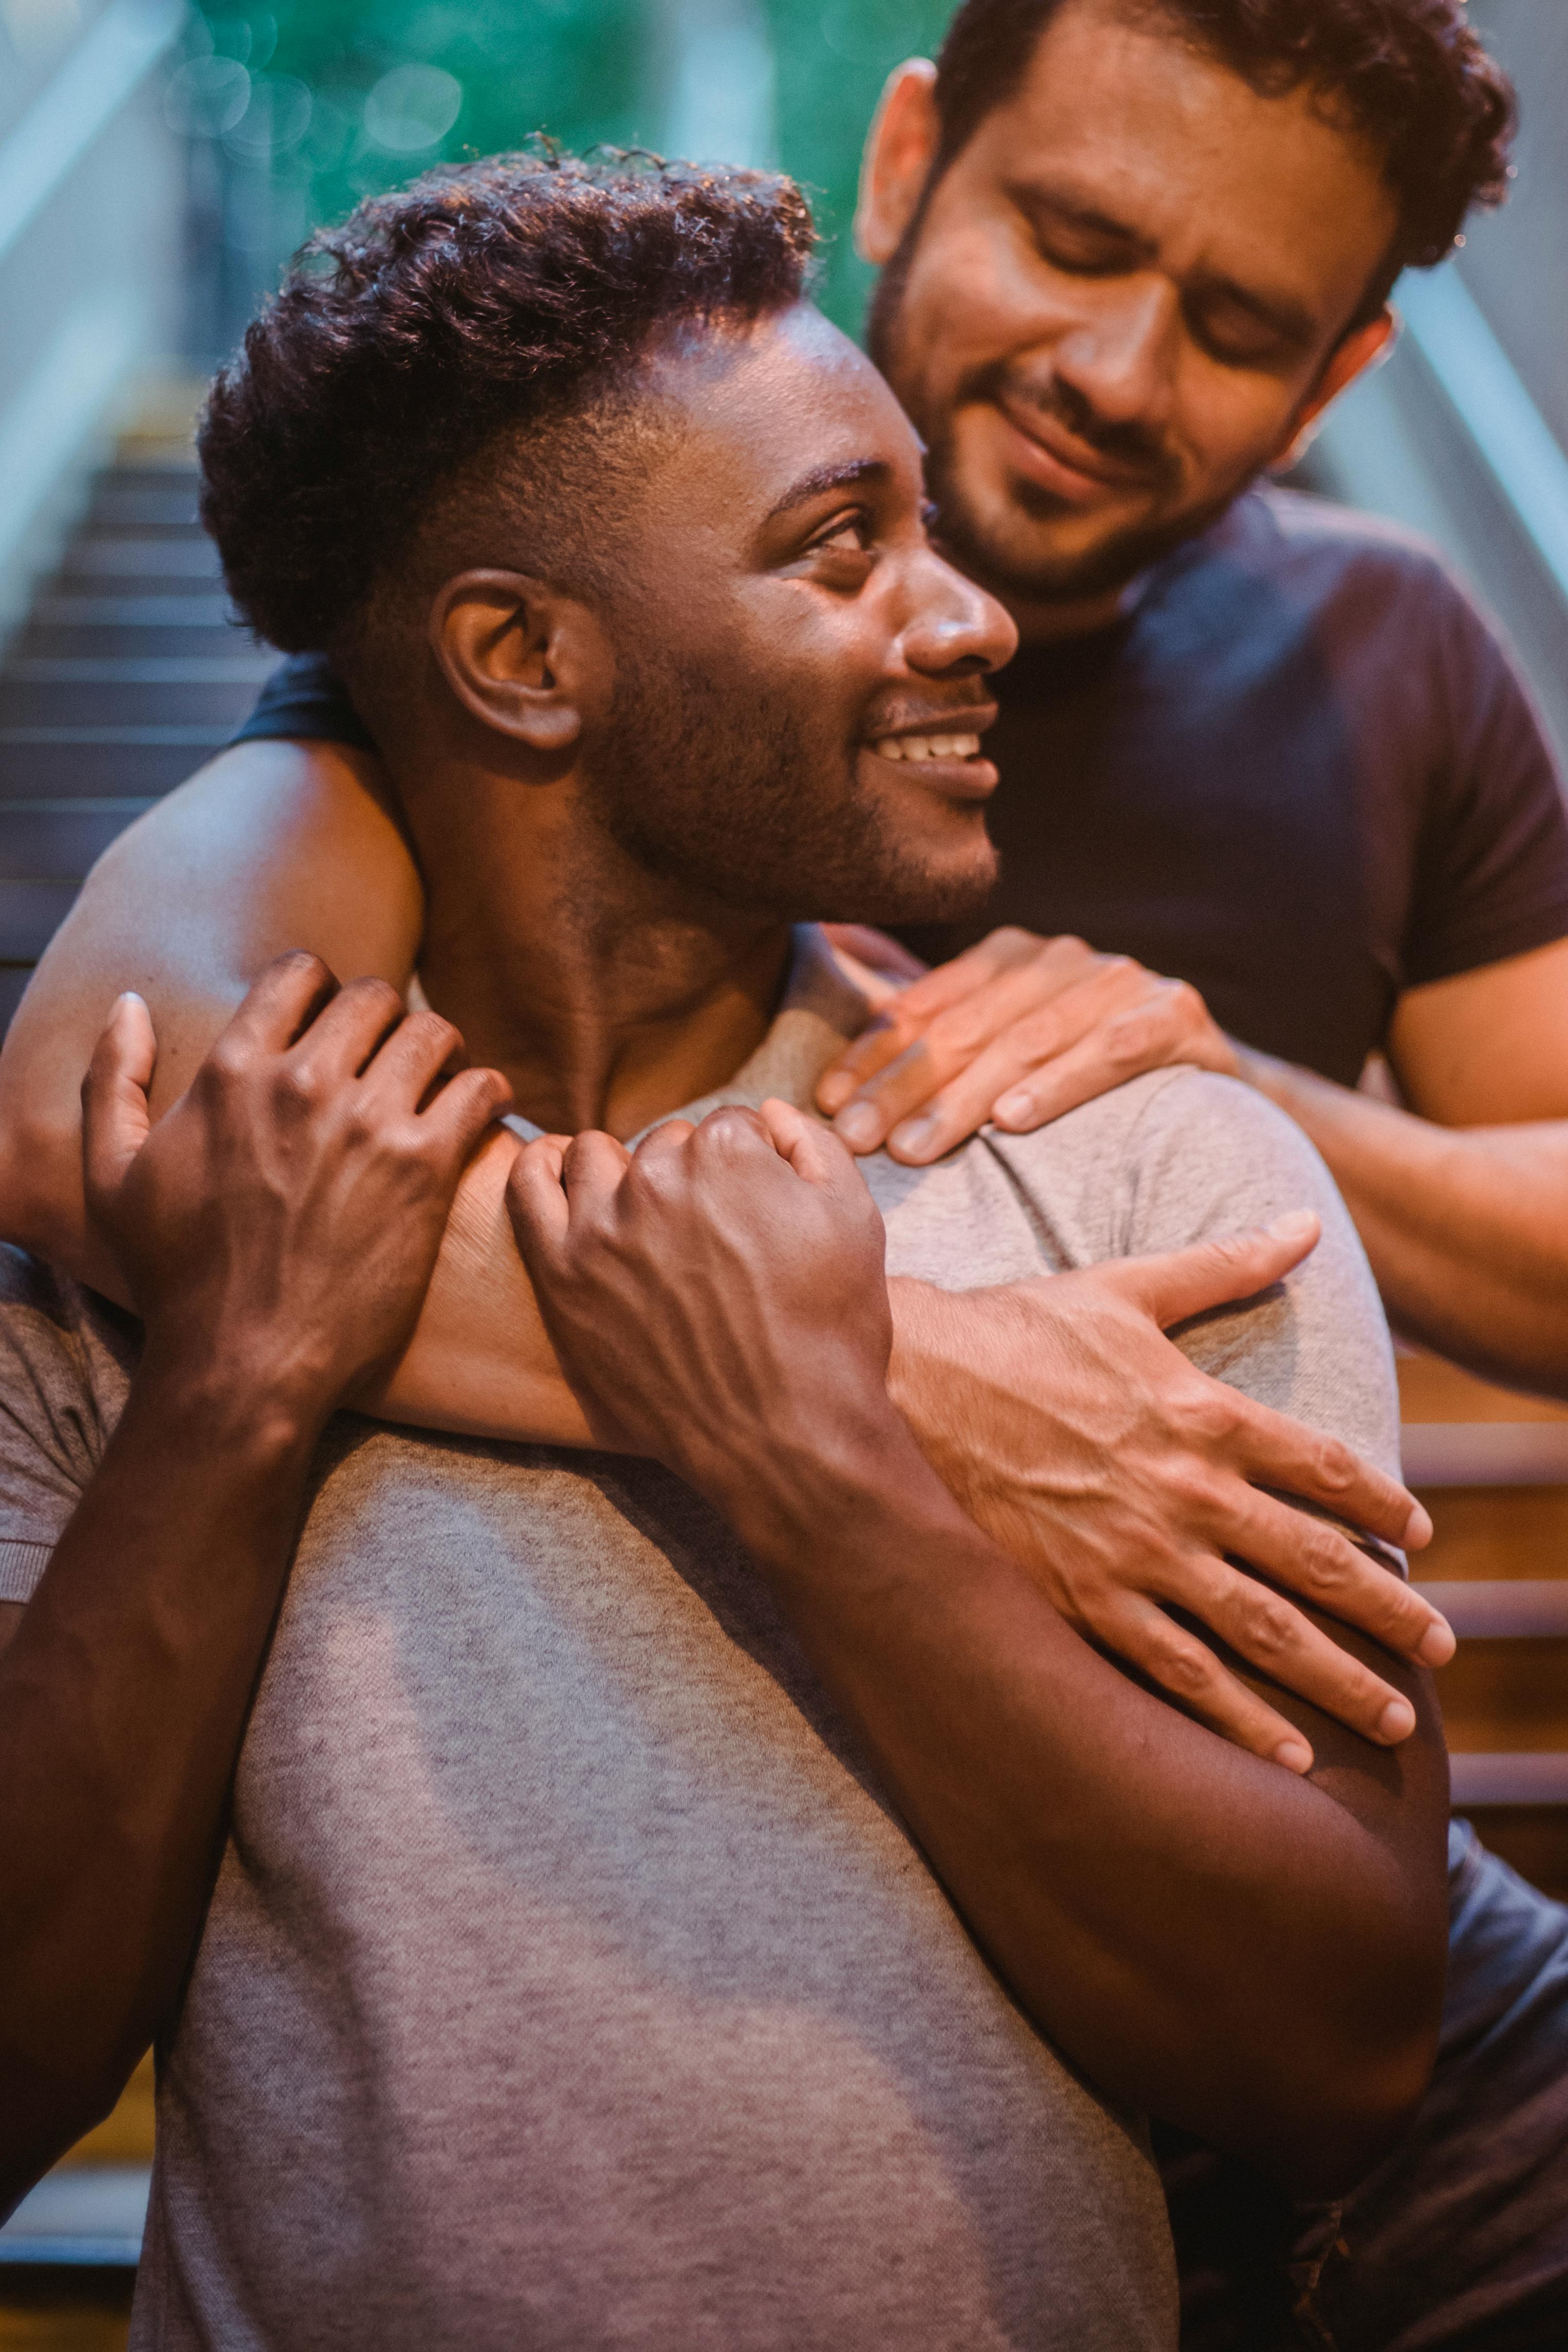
(1340, 2126)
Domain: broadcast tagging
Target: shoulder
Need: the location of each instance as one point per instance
(1326, 554)
(1183, 1156)
(1164, 1161)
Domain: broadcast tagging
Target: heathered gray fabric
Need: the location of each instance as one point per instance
(567, 1982)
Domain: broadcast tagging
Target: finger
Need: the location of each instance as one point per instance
(907, 1016)
(463, 1110)
(1164, 1021)
(1188, 1672)
(1270, 1449)
(813, 1151)
(1316, 1560)
(1270, 1632)
(1173, 1285)
(282, 1003)
(671, 1135)
(346, 1034)
(944, 1046)
(1074, 1018)
(115, 1119)
(410, 1058)
(537, 1203)
(592, 1168)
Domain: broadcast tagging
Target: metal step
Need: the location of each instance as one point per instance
(60, 840)
(110, 704)
(140, 558)
(94, 762)
(80, 2215)
(31, 912)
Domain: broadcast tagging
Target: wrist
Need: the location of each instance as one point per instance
(805, 1489)
(221, 1400)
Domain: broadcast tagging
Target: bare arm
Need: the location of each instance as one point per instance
(271, 846)
(279, 1229)
(1460, 1198)
(1254, 1956)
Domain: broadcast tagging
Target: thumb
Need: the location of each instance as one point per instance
(1181, 1283)
(535, 1200)
(813, 1150)
(116, 1121)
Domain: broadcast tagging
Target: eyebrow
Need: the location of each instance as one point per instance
(1287, 318)
(823, 479)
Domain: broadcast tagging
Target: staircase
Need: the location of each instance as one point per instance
(127, 675)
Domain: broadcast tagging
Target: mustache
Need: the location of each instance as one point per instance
(1123, 441)
(968, 709)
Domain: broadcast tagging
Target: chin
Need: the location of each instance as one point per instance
(931, 890)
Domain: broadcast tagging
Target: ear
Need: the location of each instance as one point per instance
(521, 657)
(899, 148)
(1359, 351)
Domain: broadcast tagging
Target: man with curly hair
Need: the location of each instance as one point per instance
(576, 1904)
(1133, 247)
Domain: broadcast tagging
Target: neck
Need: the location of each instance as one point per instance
(608, 995)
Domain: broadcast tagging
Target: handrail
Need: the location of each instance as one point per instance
(87, 92)
(1484, 388)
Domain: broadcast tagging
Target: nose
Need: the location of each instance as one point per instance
(954, 629)
(1119, 357)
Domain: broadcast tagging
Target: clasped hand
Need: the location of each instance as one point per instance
(716, 1296)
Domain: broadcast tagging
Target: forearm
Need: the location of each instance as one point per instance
(122, 1702)
(1464, 1227)
(1208, 1935)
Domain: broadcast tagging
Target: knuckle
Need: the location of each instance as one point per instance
(1184, 1667)
(1271, 1626)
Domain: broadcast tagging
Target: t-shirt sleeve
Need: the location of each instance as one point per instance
(305, 700)
(1182, 1156)
(61, 1381)
(1492, 860)
(1208, 1157)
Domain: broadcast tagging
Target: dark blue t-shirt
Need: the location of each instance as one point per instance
(1302, 774)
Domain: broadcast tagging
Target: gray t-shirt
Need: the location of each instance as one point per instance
(567, 1980)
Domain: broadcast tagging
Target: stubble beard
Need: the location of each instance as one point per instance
(742, 795)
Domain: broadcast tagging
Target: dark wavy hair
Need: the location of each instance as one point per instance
(486, 298)
(1408, 76)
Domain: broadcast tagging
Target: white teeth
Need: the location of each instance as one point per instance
(928, 746)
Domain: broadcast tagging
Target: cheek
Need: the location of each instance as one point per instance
(974, 296)
(1226, 423)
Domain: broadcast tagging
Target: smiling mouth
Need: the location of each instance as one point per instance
(1063, 450)
(927, 747)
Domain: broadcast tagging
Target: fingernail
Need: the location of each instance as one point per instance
(1011, 1111)
(914, 1136)
(1294, 1755)
(858, 1126)
(834, 1091)
(1292, 1227)
(1397, 1721)
(1437, 1644)
(1417, 1528)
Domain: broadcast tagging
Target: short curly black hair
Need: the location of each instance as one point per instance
(486, 298)
(1408, 76)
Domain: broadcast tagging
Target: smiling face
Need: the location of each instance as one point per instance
(800, 681)
(1120, 299)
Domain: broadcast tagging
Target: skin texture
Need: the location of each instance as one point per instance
(276, 1232)
(1282, 1992)
(683, 1287)
(1061, 278)
(658, 1030)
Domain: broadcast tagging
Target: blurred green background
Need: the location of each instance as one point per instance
(295, 112)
